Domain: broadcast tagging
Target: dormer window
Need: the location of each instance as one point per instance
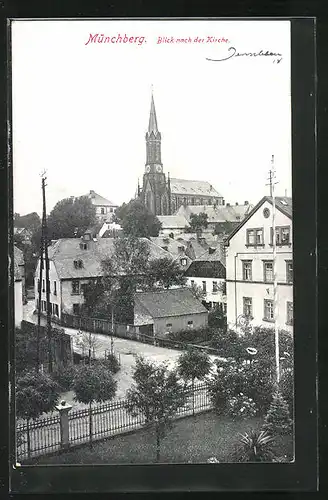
(183, 262)
(165, 248)
(78, 264)
(83, 246)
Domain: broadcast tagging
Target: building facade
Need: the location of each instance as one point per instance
(104, 208)
(164, 195)
(249, 267)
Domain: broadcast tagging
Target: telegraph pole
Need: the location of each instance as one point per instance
(46, 258)
(272, 176)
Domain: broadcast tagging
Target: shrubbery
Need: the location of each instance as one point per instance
(110, 363)
(64, 376)
(192, 336)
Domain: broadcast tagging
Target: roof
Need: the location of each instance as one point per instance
(152, 126)
(201, 268)
(100, 200)
(63, 252)
(217, 213)
(283, 203)
(186, 186)
(173, 221)
(168, 303)
(18, 261)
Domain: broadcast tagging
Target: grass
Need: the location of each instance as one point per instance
(191, 440)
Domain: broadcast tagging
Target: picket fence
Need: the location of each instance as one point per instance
(45, 435)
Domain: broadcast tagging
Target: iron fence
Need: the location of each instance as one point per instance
(44, 435)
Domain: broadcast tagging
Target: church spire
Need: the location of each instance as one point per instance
(152, 126)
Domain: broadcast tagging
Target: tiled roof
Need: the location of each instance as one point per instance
(198, 188)
(285, 205)
(100, 200)
(63, 252)
(173, 221)
(166, 303)
(217, 213)
(202, 268)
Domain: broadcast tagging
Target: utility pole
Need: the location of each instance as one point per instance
(39, 308)
(46, 258)
(272, 176)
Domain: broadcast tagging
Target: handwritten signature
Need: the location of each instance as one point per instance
(234, 53)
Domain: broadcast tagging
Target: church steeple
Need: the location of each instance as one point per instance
(153, 141)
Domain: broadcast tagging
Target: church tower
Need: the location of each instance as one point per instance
(155, 189)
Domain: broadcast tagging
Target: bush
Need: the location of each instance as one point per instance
(217, 318)
(36, 393)
(110, 363)
(287, 388)
(277, 420)
(64, 376)
(227, 383)
(229, 344)
(241, 406)
(192, 336)
(255, 446)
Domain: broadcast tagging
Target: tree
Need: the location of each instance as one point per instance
(164, 273)
(198, 292)
(71, 217)
(193, 364)
(88, 343)
(29, 221)
(136, 220)
(36, 393)
(198, 222)
(277, 420)
(156, 394)
(94, 384)
(217, 318)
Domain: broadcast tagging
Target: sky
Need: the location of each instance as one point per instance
(81, 110)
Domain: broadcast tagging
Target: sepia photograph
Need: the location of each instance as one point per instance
(152, 242)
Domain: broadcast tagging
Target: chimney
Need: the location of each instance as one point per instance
(246, 203)
(228, 204)
(211, 250)
(236, 203)
(92, 193)
(181, 249)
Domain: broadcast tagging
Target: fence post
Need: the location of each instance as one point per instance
(63, 409)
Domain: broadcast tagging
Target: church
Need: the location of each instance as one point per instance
(164, 195)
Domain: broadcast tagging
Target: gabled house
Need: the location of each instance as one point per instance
(172, 225)
(104, 208)
(73, 263)
(176, 248)
(208, 272)
(249, 267)
(165, 311)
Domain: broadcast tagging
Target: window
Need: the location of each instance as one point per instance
(290, 313)
(102, 210)
(83, 246)
(183, 262)
(247, 270)
(43, 305)
(111, 210)
(55, 287)
(78, 264)
(247, 306)
(215, 287)
(169, 326)
(75, 287)
(83, 287)
(56, 310)
(289, 271)
(43, 286)
(268, 310)
(76, 309)
(190, 324)
(204, 286)
(268, 271)
(254, 237)
(282, 235)
(192, 282)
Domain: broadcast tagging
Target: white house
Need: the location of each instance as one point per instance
(208, 273)
(18, 285)
(173, 225)
(249, 267)
(73, 262)
(104, 208)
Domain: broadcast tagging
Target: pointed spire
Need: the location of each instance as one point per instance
(152, 127)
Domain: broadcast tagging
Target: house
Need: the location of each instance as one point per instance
(73, 262)
(104, 208)
(172, 225)
(221, 218)
(24, 234)
(208, 272)
(19, 279)
(164, 311)
(249, 267)
(110, 230)
(176, 249)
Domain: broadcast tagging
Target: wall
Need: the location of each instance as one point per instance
(257, 289)
(216, 297)
(180, 322)
(18, 294)
(68, 299)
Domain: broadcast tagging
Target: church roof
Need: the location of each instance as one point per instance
(152, 126)
(190, 187)
(100, 200)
